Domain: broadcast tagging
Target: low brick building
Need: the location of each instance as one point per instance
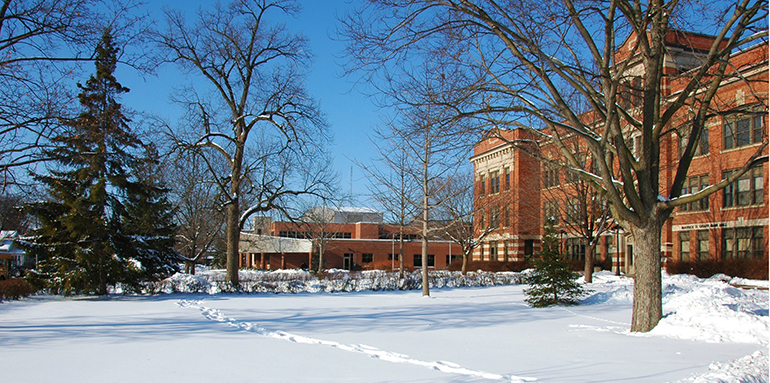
(349, 246)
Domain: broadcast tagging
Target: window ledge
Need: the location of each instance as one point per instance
(742, 207)
(693, 212)
(737, 148)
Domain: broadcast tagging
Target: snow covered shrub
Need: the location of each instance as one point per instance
(332, 281)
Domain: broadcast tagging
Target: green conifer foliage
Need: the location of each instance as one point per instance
(88, 239)
(552, 281)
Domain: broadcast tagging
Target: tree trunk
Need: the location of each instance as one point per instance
(233, 237)
(320, 256)
(401, 252)
(465, 263)
(425, 282)
(589, 265)
(648, 306)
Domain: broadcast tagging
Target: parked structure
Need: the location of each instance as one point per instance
(358, 245)
(732, 223)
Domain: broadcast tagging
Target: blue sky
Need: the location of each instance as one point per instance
(350, 114)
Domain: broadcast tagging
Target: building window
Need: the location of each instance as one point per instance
(576, 249)
(431, 260)
(608, 244)
(494, 182)
(744, 130)
(418, 260)
(574, 210)
(684, 246)
(529, 246)
(703, 245)
(367, 258)
(392, 257)
(551, 210)
(743, 242)
(745, 191)
(703, 144)
(572, 177)
(493, 251)
(451, 258)
(550, 176)
(293, 234)
(693, 185)
(507, 178)
(494, 217)
(482, 221)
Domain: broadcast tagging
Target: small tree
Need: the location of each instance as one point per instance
(553, 281)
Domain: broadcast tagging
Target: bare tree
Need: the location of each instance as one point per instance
(198, 208)
(393, 188)
(581, 210)
(435, 153)
(42, 45)
(255, 113)
(458, 212)
(526, 61)
(321, 225)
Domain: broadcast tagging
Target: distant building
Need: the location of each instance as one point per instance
(342, 215)
(9, 250)
(360, 241)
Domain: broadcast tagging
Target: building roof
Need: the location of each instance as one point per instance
(254, 243)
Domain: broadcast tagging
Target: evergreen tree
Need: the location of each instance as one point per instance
(88, 238)
(552, 281)
(148, 224)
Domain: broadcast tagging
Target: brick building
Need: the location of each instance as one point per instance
(733, 223)
(365, 245)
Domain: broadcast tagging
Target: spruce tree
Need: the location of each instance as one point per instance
(148, 223)
(552, 281)
(87, 237)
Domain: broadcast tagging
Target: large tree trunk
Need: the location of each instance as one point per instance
(465, 263)
(648, 306)
(589, 264)
(233, 237)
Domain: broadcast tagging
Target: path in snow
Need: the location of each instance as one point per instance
(373, 352)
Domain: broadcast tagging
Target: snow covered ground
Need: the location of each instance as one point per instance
(712, 332)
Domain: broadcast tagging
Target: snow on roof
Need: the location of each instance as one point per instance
(255, 243)
(8, 234)
(353, 209)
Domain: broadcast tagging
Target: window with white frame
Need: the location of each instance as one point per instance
(745, 191)
(742, 130)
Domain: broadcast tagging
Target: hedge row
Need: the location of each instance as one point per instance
(756, 268)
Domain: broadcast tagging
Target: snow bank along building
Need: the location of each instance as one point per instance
(515, 190)
(351, 238)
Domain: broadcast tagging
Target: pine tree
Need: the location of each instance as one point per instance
(82, 238)
(149, 225)
(552, 281)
